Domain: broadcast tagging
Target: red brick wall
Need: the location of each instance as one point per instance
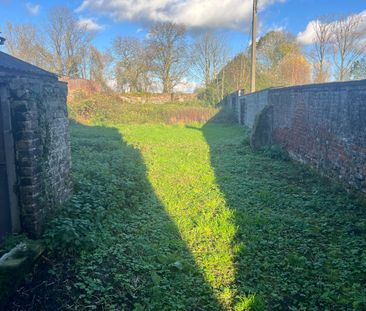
(86, 86)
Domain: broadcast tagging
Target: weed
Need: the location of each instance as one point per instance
(107, 109)
(173, 217)
(276, 152)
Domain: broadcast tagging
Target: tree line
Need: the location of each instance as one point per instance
(168, 56)
(64, 46)
(337, 53)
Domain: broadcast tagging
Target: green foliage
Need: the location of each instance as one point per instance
(183, 217)
(250, 303)
(299, 238)
(212, 95)
(105, 179)
(128, 253)
(209, 94)
(276, 152)
(101, 109)
(358, 70)
(275, 46)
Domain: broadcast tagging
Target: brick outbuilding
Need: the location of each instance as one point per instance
(35, 157)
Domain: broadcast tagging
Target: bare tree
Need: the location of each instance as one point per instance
(169, 52)
(97, 65)
(68, 41)
(348, 44)
(321, 48)
(132, 63)
(23, 41)
(208, 56)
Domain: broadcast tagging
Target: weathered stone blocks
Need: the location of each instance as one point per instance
(322, 125)
(42, 146)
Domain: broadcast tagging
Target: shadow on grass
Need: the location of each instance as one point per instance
(113, 246)
(301, 240)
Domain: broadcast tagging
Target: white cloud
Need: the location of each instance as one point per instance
(186, 86)
(90, 24)
(308, 35)
(33, 9)
(231, 14)
(277, 28)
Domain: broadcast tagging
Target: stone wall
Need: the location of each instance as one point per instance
(235, 101)
(323, 125)
(42, 147)
(251, 105)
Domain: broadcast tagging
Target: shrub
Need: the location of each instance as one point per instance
(276, 152)
(102, 108)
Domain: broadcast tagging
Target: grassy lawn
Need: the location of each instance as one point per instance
(186, 217)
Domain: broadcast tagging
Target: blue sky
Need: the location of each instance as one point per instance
(132, 17)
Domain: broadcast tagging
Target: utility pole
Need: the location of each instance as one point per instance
(254, 47)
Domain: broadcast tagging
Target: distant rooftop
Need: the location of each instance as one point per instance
(12, 64)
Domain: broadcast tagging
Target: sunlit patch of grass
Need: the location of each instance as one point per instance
(179, 169)
(263, 230)
(187, 217)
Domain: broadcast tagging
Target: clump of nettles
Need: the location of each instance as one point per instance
(97, 190)
(276, 152)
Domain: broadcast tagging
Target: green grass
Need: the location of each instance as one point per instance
(186, 217)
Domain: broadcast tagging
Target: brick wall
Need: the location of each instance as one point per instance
(86, 86)
(323, 125)
(42, 147)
